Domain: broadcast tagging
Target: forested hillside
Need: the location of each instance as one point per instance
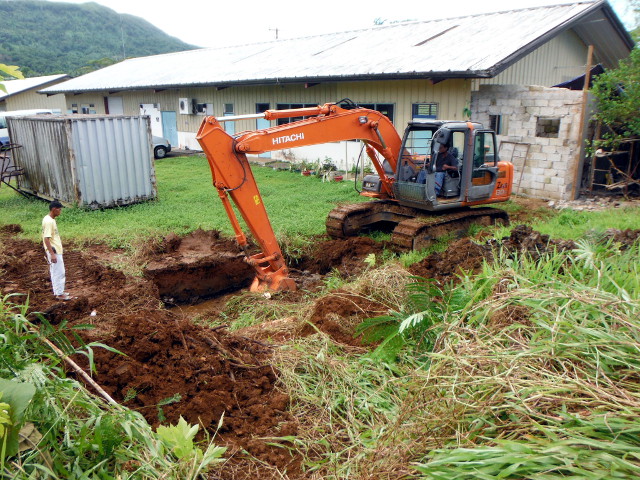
(45, 38)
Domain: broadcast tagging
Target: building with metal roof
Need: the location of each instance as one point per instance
(407, 70)
(23, 94)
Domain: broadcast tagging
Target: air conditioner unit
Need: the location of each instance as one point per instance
(184, 106)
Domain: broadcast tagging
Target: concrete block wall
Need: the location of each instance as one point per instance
(540, 133)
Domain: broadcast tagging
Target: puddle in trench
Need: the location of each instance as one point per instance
(210, 307)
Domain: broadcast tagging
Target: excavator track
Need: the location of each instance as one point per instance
(349, 220)
(414, 228)
(422, 231)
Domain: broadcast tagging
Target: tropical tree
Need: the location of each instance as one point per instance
(10, 71)
(618, 95)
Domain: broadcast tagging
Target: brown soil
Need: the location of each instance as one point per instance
(206, 372)
(524, 239)
(444, 267)
(466, 256)
(338, 314)
(347, 256)
(624, 237)
(199, 265)
(171, 367)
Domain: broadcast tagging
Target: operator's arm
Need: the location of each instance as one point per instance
(451, 163)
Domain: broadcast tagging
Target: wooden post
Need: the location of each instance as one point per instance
(577, 173)
(594, 157)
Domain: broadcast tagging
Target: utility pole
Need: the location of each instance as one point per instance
(124, 56)
(274, 30)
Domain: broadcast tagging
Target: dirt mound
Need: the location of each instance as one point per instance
(97, 287)
(10, 228)
(524, 239)
(338, 314)
(625, 237)
(345, 255)
(465, 255)
(445, 267)
(171, 367)
(174, 368)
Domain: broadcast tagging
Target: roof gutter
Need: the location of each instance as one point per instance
(434, 76)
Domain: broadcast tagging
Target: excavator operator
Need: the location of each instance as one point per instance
(445, 161)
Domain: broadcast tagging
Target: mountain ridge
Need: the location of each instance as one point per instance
(45, 38)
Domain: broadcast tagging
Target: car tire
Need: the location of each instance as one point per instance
(159, 152)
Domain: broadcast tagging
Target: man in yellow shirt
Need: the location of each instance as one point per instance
(53, 250)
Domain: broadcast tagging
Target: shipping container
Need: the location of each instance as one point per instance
(85, 160)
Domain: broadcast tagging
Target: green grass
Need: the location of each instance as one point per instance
(533, 375)
(186, 201)
(297, 206)
(571, 224)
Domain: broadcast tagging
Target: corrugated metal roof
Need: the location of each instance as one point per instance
(471, 46)
(17, 86)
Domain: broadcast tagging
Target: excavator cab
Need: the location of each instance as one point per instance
(418, 183)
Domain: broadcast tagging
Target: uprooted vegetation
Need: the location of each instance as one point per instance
(532, 353)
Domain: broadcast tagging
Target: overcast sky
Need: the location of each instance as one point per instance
(211, 23)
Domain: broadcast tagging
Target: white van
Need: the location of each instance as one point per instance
(4, 133)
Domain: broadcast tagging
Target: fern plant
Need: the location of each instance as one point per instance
(428, 310)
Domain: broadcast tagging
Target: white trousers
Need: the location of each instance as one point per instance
(58, 277)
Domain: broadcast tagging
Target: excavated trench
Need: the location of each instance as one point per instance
(197, 267)
(203, 265)
(208, 371)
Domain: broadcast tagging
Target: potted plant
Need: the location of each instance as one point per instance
(306, 168)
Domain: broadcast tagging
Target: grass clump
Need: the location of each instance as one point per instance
(573, 224)
(526, 370)
(539, 371)
(249, 309)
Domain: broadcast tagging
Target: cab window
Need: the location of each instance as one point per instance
(417, 144)
(484, 150)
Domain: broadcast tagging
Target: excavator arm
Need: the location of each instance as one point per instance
(233, 178)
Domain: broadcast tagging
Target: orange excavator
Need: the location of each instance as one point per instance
(409, 192)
